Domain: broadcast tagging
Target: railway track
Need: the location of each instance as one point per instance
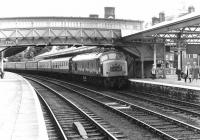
(168, 128)
(75, 122)
(54, 129)
(168, 104)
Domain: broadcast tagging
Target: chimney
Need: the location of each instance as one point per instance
(155, 20)
(162, 16)
(191, 9)
(109, 12)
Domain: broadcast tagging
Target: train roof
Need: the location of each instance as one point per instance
(20, 62)
(32, 61)
(61, 59)
(10, 62)
(87, 56)
(46, 60)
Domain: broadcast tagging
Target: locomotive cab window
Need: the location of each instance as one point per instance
(104, 58)
(117, 56)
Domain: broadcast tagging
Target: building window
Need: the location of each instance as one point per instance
(194, 55)
(190, 55)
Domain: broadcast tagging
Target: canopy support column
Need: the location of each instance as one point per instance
(179, 55)
(154, 55)
(179, 67)
(164, 61)
(142, 66)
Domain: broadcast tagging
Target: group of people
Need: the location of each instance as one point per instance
(191, 72)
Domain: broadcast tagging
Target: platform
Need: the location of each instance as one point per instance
(172, 80)
(21, 117)
(170, 87)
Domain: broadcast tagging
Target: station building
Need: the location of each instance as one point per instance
(191, 54)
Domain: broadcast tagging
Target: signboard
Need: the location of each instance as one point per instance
(193, 49)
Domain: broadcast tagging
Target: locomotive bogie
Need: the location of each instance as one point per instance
(115, 82)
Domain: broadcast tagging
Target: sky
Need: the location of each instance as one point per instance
(124, 9)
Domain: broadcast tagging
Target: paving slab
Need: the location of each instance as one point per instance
(21, 116)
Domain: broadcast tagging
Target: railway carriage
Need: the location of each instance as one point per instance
(20, 66)
(32, 65)
(10, 65)
(44, 65)
(61, 65)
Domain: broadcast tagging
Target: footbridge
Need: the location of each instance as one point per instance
(42, 31)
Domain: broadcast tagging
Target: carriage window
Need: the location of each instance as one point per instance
(103, 58)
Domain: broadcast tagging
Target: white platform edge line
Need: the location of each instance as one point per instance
(165, 84)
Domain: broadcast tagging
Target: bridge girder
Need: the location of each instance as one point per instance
(58, 36)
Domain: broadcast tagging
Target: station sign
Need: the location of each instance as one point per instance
(193, 49)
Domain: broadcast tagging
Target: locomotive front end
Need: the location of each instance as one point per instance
(114, 70)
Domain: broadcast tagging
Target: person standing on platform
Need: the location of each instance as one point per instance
(153, 71)
(187, 72)
(195, 71)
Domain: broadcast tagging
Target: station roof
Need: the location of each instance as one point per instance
(89, 56)
(185, 28)
(9, 51)
(66, 52)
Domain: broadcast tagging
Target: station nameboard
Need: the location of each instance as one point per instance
(193, 49)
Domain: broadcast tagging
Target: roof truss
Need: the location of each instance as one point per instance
(185, 29)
